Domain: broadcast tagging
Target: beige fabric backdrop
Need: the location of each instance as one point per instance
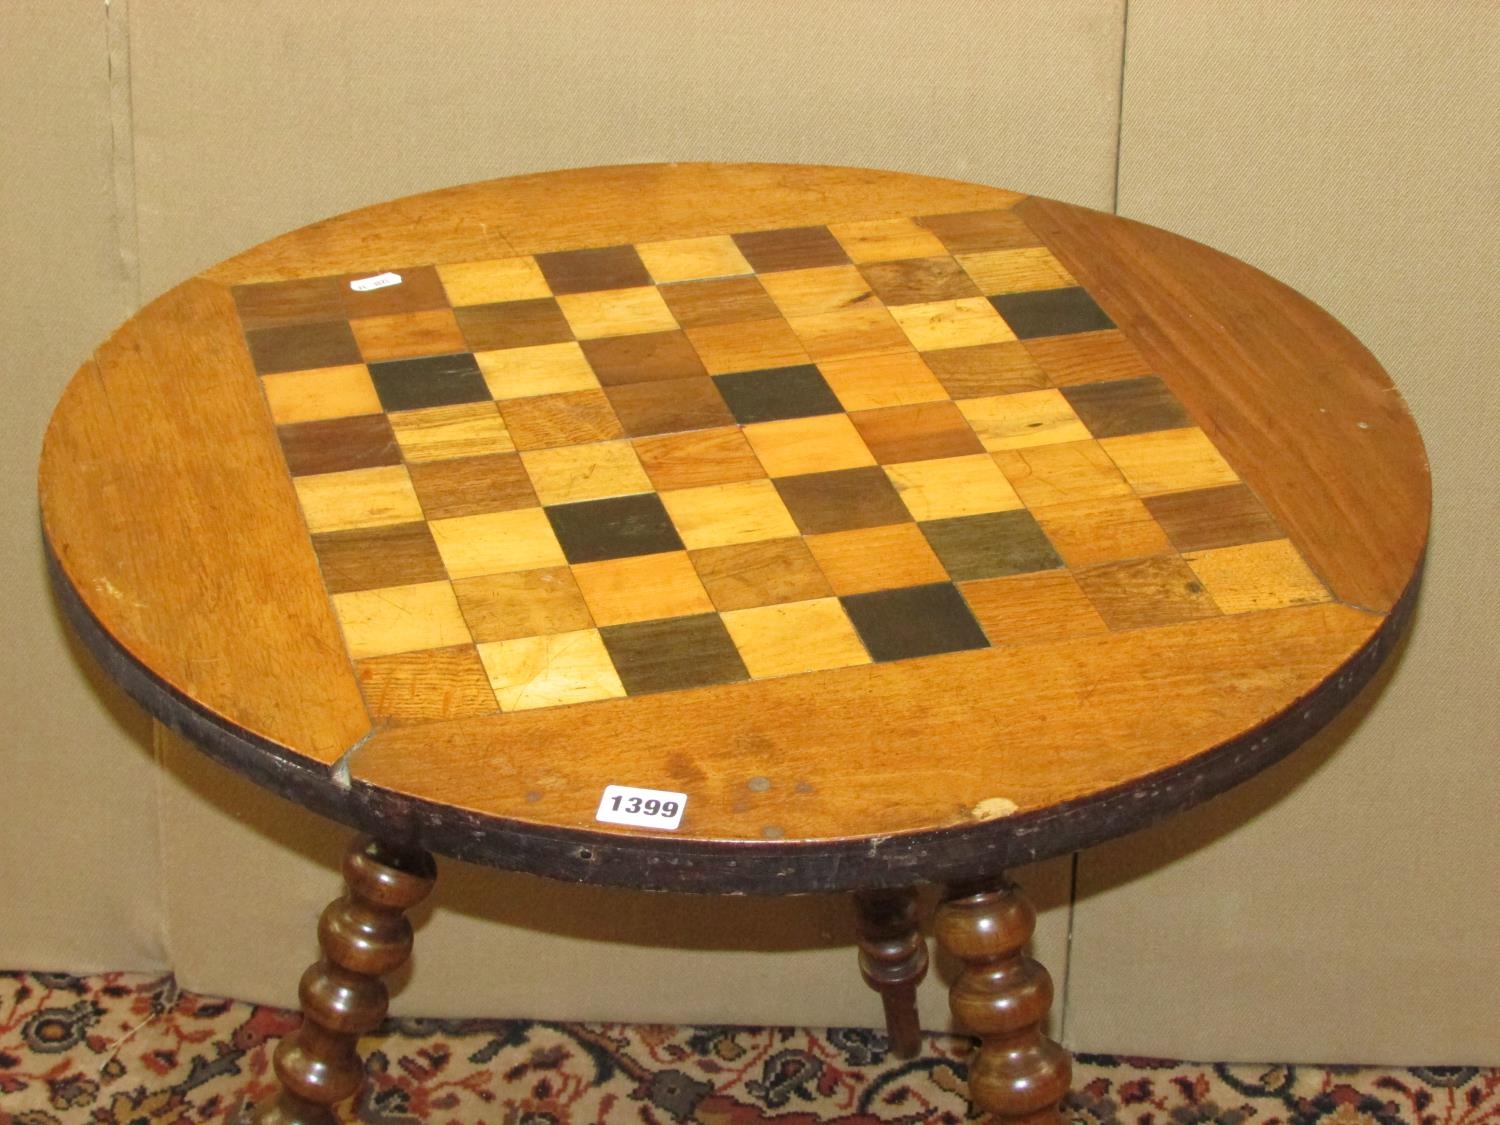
(1331, 911)
(1353, 153)
(78, 856)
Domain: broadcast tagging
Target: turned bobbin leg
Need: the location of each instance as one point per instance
(1002, 995)
(364, 935)
(893, 959)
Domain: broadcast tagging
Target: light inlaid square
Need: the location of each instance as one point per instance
(899, 378)
(867, 330)
(886, 240)
(617, 312)
(358, 498)
(693, 259)
(698, 457)
(1268, 575)
(1016, 271)
(543, 369)
(953, 486)
(808, 445)
(498, 279)
(404, 335)
(1045, 476)
(782, 640)
(429, 685)
(1043, 607)
(523, 603)
(1087, 357)
(764, 573)
(719, 515)
(1146, 593)
(496, 542)
(750, 346)
(1024, 419)
(585, 472)
(327, 392)
(400, 619)
(963, 323)
(876, 558)
(1092, 532)
(1169, 461)
(550, 671)
(642, 588)
(570, 418)
(441, 433)
(817, 291)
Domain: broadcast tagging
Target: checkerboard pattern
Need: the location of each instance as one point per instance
(544, 480)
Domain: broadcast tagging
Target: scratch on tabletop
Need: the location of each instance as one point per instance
(105, 586)
(992, 808)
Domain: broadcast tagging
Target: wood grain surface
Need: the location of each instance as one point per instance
(1292, 399)
(912, 528)
(171, 516)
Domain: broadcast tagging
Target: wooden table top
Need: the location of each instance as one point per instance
(908, 529)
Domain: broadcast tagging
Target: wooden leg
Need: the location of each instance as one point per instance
(893, 959)
(1003, 995)
(364, 934)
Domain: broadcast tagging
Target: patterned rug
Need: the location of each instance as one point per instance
(128, 1049)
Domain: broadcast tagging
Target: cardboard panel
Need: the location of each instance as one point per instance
(249, 122)
(249, 874)
(1340, 908)
(77, 803)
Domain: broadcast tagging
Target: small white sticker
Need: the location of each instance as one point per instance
(641, 808)
(379, 281)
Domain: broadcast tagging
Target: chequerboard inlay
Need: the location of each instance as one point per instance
(581, 475)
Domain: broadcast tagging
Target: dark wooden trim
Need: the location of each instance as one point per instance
(662, 863)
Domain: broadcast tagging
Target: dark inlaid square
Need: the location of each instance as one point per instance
(513, 324)
(730, 300)
(1207, 518)
(420, 289)
(471, 486)
(992, 545)
(435, 380)
(338, 444)
(669, 407)
(778, 392)
(914, 621)
(374, 557)
(616, 528)
(1051, 312)
(302, 347)
(916, 281)
(643, 358)
(967, 232)
(678, 652)
(275, 303)
(581, 271)
(921, 432)
(843, 500)
(795, 248)
(1127, 406)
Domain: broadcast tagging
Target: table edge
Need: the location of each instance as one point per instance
(665, 863)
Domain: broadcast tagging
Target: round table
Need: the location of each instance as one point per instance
(734, 528)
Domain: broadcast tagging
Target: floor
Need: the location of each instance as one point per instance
(133, 1049)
